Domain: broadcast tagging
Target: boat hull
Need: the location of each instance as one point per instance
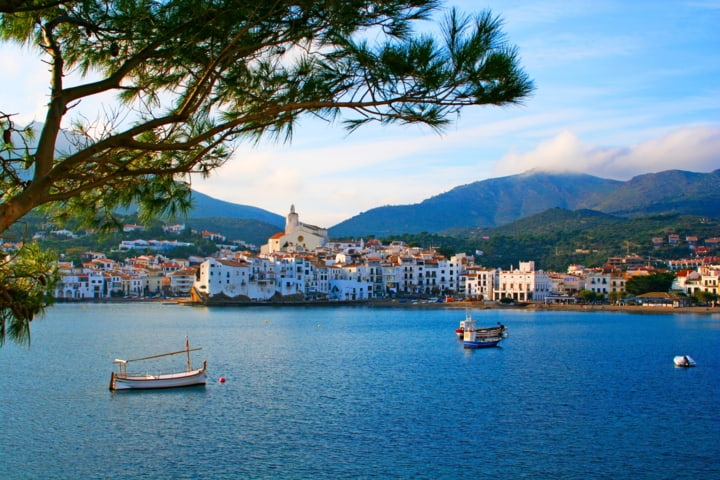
(149, 382)
(481, 343)
(684, 361)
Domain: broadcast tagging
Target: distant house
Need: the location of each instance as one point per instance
(154, 245)
(212, 236)
(11, 246)
(103, 264)
(174, 228)
(181, 281)
(713, 242)
(68, 233)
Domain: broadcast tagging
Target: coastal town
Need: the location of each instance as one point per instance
(302, 264)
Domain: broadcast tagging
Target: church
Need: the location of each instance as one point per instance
(298, 237)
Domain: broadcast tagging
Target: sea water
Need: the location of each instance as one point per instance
(357, 392)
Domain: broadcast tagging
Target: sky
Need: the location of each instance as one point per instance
(622, 88)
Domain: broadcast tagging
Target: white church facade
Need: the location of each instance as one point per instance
(297, 237)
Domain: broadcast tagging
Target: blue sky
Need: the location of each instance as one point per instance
(622, 88)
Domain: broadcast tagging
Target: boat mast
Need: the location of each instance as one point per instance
(187, 349)
(163, 355)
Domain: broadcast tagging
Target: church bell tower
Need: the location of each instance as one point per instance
(292, 221)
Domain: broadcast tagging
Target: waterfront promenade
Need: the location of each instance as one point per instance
(417, 304)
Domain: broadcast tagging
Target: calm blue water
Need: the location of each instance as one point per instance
(364, 393)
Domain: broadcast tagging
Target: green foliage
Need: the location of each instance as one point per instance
(27, 279)
(615, 297)
(251, 231)
(588, 295)
(558, 238)
(194, 78)
(656, 282)
(705, 297)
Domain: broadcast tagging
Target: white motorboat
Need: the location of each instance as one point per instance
(684, 361)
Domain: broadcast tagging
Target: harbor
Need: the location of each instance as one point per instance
(339, 393)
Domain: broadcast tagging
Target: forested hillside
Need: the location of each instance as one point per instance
(499, 201)
(558, 238)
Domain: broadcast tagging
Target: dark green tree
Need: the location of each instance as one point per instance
(26, 280)
(615, 297)
(194, 78)
(705, 297)
(656, 282)
(588, 295)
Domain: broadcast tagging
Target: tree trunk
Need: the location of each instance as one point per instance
(14, 209)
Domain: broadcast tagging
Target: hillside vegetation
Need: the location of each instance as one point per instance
(558, 238)
(499, 201)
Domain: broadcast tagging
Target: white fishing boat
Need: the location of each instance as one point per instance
(684, 361)
(123, 380)
(474, 337)
(497, 331)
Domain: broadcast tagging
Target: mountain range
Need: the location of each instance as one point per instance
(486, 204)
(205, 206)
(500, 201)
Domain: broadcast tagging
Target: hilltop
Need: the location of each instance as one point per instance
(500, 201)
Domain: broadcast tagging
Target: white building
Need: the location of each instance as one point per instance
(349, 283)
(181, 281)
(566, 283)
(262, 278)
(480, 283)
(523, 284)
(217, 277)
(81, 285)
(605, 281)
(705, 279)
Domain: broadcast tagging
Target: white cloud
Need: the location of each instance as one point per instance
(25, 83)
(690, 148)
